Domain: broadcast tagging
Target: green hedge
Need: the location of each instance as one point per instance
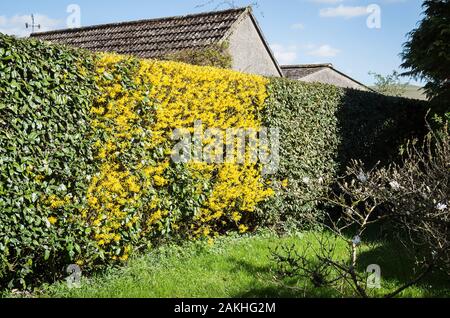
(81, 180)
(374, 127)
(45, 97)
(322, 128)
(216, 55)
(47, 163)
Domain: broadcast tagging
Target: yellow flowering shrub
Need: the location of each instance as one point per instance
(139, 192)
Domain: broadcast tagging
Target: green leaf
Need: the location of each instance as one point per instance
(46, 254)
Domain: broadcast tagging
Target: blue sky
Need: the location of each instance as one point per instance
(299, 31)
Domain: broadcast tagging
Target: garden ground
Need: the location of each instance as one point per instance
(236, 267)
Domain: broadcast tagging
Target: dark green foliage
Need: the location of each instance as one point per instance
(216, 55)
(306, 115)
(374, 127)
(426, 55)
(323, 127)
(45, 97)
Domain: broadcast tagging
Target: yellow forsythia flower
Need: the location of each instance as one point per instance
(243, 228)
(52, 220)
(122, 195)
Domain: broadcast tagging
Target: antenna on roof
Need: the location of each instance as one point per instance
(33, 25)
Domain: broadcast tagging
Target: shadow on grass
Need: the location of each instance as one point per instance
(288, 292)
(270, 288)
(399, 267)
(396, 264)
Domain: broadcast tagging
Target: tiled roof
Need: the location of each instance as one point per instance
(151, 38)
(301, 71)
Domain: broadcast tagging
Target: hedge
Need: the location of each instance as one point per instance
(86, 175)
(45, 156)
(139, 192)
(374, 127)
(216, 55)
(323, 127)
(85, 150)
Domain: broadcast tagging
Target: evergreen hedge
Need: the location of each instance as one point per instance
(85, 147)
(322, 128)
(45, 155)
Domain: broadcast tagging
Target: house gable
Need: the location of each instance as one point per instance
(331, 76)
(249, 49)
(322, 73)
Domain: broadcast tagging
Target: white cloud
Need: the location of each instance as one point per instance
(284, 54)
(308, 46)
(16, 24)
(346, 12)
(327, 1)
(324, 51)
(298, 26)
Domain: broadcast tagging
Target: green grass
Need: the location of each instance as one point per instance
(233, 267)
(413, 91)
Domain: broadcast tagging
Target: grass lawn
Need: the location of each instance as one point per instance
(232, 267)
(414, 92)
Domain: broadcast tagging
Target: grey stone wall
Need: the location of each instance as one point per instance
(249, 53)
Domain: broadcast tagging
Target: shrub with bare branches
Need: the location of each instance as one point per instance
(411, 196)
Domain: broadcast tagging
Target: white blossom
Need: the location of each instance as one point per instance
(362, 177)
(395, 185)
(441, 206)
